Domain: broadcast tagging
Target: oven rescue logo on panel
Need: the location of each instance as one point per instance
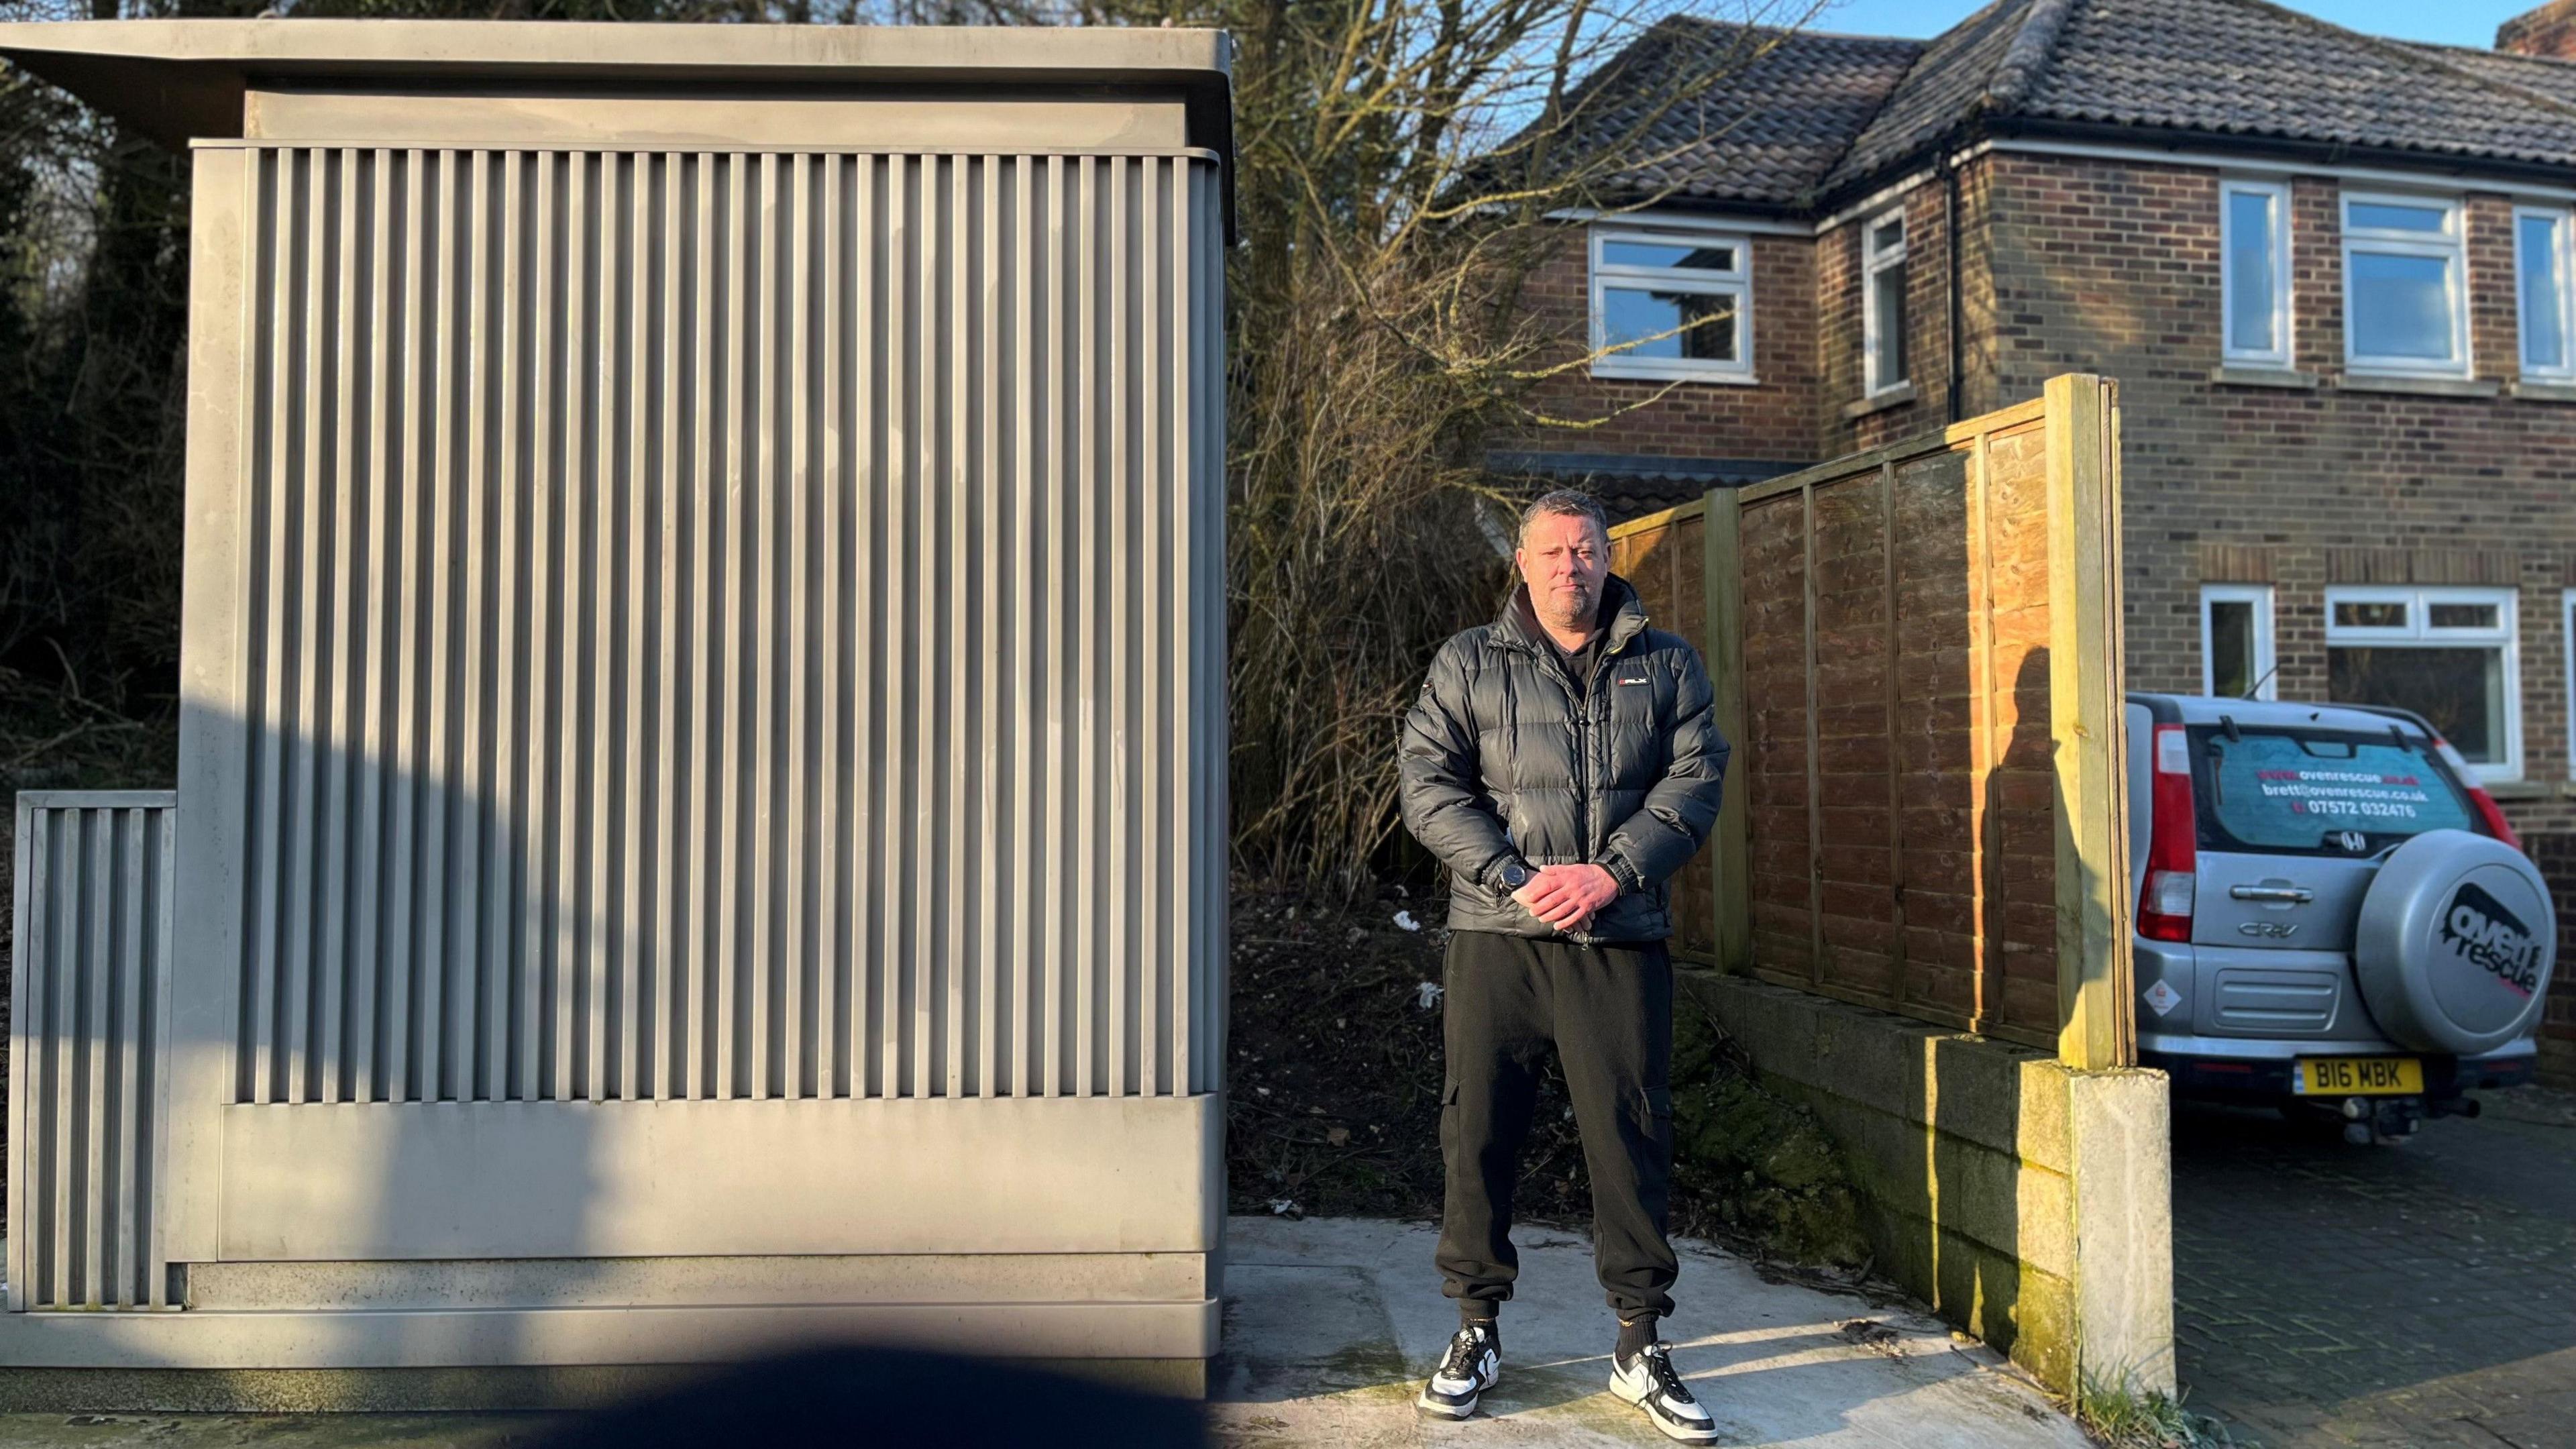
(2482, 931)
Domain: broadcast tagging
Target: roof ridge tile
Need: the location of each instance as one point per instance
(2023, 60)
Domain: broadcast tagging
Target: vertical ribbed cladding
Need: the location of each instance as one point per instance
(733, 625)
(88, 999)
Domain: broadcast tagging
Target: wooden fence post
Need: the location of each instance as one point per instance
(1723, 575)
(2088, 724)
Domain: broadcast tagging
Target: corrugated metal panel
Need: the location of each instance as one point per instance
(732, 625)
(88, 1001)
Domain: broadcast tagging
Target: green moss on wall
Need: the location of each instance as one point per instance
(1750, 1165)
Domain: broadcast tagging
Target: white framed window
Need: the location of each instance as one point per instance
(2405, 285)
(2447, 653)
(1671, 305)
(1882, 302)
(2254, 274)
(2545, 301)
(2236, 641)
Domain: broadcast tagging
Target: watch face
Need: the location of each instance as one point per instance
(1515, 876)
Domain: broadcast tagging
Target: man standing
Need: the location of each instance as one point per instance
(1563, 762)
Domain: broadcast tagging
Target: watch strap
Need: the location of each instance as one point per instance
(1627, 878)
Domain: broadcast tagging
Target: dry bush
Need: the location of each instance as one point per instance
(1398, 165)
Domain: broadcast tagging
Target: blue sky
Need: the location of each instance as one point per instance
(2451, 22)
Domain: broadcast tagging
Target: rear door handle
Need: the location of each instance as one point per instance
(2294, 895)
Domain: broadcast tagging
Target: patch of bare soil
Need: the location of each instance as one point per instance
(1334, 1074)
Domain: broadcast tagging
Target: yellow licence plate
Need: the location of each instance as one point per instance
(2361, 1076)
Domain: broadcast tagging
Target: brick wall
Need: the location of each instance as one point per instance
(1839, 309)
(1806, 346)
(1771, 418)
(2113, 267)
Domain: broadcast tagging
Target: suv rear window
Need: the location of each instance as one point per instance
(2303, 790)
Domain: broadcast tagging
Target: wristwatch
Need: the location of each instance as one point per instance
(1514, 873)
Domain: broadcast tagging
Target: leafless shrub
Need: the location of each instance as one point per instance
(1399, 163)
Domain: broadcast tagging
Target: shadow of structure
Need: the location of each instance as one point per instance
(663, 864)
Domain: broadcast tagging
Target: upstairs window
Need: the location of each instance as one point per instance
(2547, 304)
(2254, 276)
(2446, 653)
(2405, 286)
(1671, 306)
(1882, 323)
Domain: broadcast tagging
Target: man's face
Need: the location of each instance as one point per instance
(1565, 561)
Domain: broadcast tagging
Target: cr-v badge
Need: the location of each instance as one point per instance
(2276, 930)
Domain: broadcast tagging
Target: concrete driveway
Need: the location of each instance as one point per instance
(1331, 1324)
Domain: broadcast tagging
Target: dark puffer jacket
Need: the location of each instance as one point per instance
(1504, 755)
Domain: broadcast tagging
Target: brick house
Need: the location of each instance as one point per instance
(2335, 275)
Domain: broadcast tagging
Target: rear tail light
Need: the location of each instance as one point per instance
(2173, 847)
(2488, 810)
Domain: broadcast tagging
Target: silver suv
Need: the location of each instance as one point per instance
(2332, 915)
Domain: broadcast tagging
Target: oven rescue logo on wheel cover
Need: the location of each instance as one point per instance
(2481, 930)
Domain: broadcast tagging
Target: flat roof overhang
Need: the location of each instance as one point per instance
(178, 81)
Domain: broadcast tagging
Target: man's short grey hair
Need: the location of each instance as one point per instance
(1566, 503)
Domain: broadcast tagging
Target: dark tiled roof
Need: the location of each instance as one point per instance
(2555, 79)
(1945, 87)
(1788, 106)
(2241, 70)
(1632, 486)
(2244, 68)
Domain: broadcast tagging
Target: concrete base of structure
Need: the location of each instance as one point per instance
(310, 1391)
(2030, 1204)
(573, 1333)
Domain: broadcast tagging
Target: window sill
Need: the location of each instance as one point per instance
(2520, 789)
(1722, 379)
(2248, 375)
(1879, 402)
(2423, 386)
(2550, 392)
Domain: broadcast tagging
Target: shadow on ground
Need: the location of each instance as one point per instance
(1331, 1324)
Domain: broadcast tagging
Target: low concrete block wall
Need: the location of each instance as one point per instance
(2029, 1204)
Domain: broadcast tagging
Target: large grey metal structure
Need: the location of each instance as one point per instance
(701, 814)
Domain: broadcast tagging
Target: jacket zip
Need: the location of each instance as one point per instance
(1582, 695)
(1582, 698)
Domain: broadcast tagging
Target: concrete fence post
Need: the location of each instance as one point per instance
(2087, 724)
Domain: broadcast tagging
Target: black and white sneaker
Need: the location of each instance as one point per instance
(1473, 1364)
(1648, 1381)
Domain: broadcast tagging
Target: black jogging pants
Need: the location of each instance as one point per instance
(1608, 1011)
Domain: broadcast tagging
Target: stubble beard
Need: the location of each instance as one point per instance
(1578, 615)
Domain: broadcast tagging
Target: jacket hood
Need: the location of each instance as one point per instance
(1619, 604)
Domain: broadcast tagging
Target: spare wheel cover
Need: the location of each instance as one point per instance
(2455, 943)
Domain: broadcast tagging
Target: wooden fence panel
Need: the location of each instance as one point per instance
(1777, 650)
(1663, 558)
(1900, 777)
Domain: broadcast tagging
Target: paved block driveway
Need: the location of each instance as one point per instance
(2419, 1295)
